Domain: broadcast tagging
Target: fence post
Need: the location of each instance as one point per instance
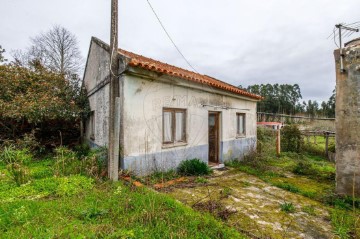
(278, 142)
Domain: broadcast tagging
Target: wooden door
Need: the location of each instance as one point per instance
(213, 137)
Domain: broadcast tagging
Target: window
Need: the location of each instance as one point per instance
(240, 120)
(174, 126)
(92, 125)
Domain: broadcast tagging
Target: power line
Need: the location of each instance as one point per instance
(352, 23)
(168, 35)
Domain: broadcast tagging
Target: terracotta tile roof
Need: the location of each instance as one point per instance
(157, 66)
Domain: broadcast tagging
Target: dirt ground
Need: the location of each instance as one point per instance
(254, 207)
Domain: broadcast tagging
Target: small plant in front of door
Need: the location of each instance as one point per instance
(193, 167)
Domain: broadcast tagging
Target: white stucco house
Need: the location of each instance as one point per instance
(167, 114)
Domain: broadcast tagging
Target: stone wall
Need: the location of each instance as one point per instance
(348, 121)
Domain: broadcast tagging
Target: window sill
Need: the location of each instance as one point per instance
(168, 146)
(240, 136)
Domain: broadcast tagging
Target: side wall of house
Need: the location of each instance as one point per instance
(96, 76)
(144, 101)
(348, 122)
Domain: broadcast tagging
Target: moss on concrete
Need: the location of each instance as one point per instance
(258, 206)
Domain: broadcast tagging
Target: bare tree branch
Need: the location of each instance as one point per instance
(56, 49)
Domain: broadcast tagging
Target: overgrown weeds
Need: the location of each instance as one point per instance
(215, 208)
(287, 207)
(291, 139)
(201, 180)
(346, 225)
(309, 209)
(85, 208)
(91, 163)
(16, 161)
(160, 177)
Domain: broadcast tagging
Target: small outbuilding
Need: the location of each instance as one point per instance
(167, 114)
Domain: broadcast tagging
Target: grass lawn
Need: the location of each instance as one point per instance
(77, 206)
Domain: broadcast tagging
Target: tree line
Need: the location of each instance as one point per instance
(286, 99)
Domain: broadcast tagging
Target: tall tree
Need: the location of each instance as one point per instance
(331, 105)
(312, 108)
(2, 58)
(56, 49)
(282, 98)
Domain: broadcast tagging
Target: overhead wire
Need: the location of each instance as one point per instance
(352, 23)
(170, 38)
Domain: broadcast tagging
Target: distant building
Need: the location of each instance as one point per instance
(167, 114)
(272, 125)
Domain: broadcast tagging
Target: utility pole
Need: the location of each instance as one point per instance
(113, 151)
(342, 27)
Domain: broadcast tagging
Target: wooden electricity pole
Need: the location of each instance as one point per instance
(113, 158)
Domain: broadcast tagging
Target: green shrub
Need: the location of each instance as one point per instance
(82, 150)
(291, 139)
(193, 167)
(287, 207)
(304, 168)
(266, 139)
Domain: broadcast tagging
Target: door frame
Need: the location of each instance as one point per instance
(218, 139)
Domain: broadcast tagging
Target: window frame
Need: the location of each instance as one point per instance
(173, 112)
(238, 134)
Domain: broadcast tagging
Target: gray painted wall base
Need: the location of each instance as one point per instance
(170, 159)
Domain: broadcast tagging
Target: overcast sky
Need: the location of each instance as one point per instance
(237, 41)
